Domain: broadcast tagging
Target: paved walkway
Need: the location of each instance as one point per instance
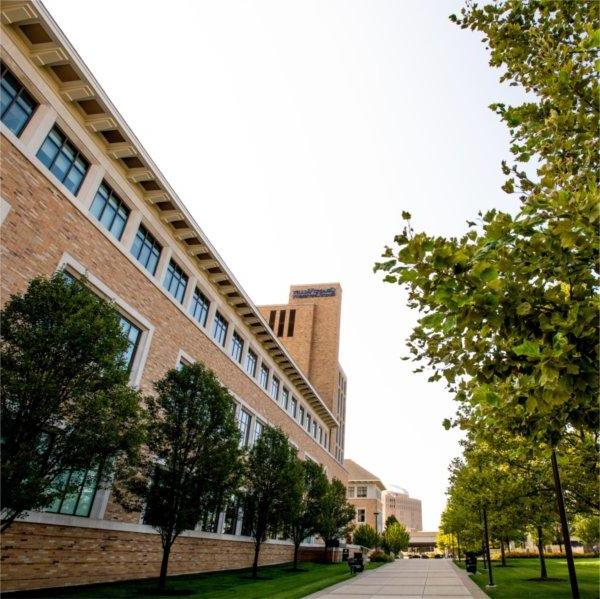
(407, 579)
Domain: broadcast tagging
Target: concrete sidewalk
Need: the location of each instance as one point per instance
(407, 579)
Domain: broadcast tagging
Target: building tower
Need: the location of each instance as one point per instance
(309, 327)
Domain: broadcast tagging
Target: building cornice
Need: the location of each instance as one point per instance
(52, 53)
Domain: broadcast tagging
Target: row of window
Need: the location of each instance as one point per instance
(63, 159)
(361, 491)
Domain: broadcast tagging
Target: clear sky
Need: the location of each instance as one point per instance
(296, 132)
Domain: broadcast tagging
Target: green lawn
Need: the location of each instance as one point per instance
(284, 584)
(512, 582)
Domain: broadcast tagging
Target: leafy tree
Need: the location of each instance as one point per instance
(587, 528)
(194, 460)
(271, 485)
(306, 503)
(395, 538)
(336, 514)
(66, 403)
(391, 520)
(510, 308)
(366, 535)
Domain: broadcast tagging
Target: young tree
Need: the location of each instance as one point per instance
(194, 457)
(366, 536)
(66, 403)
(303, 515)
(336, 514)
(395, 538)
(271, 485)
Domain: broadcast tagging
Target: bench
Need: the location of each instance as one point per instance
(356, 563)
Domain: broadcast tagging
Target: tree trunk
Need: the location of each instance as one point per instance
(255, 563)
(162, 581)
(296, 550)
(565, 527)
(502, 552)
(543, 571)
(458, 544)
(487, 548)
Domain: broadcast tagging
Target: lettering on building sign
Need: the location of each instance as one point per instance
(312, 292)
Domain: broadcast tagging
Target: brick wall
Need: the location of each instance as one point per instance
(42, 224)
(40, 555)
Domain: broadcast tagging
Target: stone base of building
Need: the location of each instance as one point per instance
(36, 556)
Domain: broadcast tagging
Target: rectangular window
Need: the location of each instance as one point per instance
(146, 249)
(291, 323)
(264, 376)
(232, 511)
(272, 314)
(199, 307)
(314, 429)
(16, 106)
(275, 388)
(294, 408)
(259, 427)
(285, 399)
(350, 491)
(301, 415)
(244, 426)
(133, 335)
(63, 160)
(175, 281)
(361, 491)
(110, 210)
(77, 489)
(281, 325)
(220, 329)
(308, 422)
(237, 347)
(325, 442)
(251, 361)
(320, 435)
(360, 515)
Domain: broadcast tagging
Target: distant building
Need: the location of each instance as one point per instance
(396, 502)
(365, 494)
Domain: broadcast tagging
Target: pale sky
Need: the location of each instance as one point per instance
(296, 132)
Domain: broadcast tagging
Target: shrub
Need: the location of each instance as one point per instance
(380, 556)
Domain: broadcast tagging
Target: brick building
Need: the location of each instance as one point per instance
(309, 326)
(79, 193)
(408, 511)
(364, 492)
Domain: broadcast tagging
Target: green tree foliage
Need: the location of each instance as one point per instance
(391, 520)
(587, 528)
(306, 502)
(395, 538)
(272, 486)
(336, 514)
(366, 535)
(510, 308)
(66, 403)
(194, 460)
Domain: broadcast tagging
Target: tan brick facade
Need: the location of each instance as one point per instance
(309, 326)
(44, 228)
(365, 493)
(38, 556)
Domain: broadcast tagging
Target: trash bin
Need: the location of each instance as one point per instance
(471, 562)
